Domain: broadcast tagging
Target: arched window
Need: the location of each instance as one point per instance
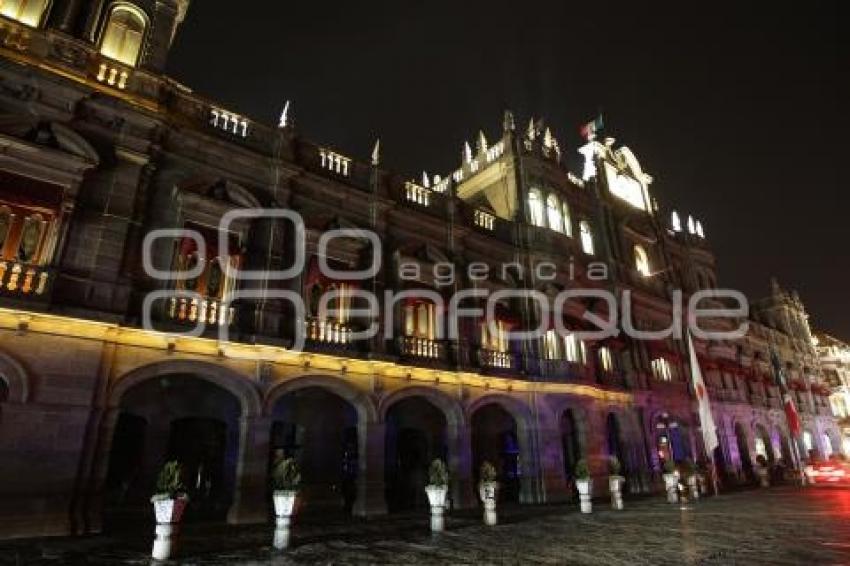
(661, 369)
(553, 213)
(642, 261)
(568, 223)
(420, 319)
(29, 12)
(676, 222)
(5, 226)
(31, 236)
(123, 34)
(586, 237)
(606, 360)
(574, 349)
(691, 226)
(700, 232)
(535, 208)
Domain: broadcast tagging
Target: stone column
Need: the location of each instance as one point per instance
(552, 465)
(250, 504)
(91, 519)
(460, 469)
(370, 479)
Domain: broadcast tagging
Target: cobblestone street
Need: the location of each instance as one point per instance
(780, 526)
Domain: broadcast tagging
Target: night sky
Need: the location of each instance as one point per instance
(737, 109)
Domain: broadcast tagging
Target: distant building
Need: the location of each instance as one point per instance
(99, 149)
(835, 363)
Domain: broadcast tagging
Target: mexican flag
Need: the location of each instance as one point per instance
(794, 426)
(592, 129)
(706, 419)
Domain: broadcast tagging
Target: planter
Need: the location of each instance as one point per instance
(437, 495)
(168, 512)
(488, 491)
(585, 492)
(671, 484)
(693, 486)
(764, 476)
(284, 505)
(615, 485)
(702, 481)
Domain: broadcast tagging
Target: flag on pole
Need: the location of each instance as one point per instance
(791, 413)
(592, 129)
(709, 431)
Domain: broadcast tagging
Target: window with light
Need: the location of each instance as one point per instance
(553, 212)
(568, 224)
(574, 349)
(551, 345)
(420, 319)
(535, 208)
(494, 336)
(661, 369)
(28, 12)
(123, 34)
(606, 359)
(642, 260)
(586, 237)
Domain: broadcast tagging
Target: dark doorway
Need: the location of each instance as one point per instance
(744, 454)
(495, 440)
(319, 429)
(199, 444)
(415, 435)
(615, 440)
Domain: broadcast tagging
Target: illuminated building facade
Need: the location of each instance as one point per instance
(835, 362)
(99, 148)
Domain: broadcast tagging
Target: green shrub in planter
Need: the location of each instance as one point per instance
(582, 471)
(669, 467)
(169, 483)
(614, 466)
(286, 476)
(488, 473)
(687, 468)
(438, 474)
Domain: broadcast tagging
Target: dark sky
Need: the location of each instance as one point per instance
(738, 109)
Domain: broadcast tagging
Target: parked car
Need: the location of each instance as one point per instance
(831, 472)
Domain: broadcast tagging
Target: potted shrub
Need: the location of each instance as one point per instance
(671, 481)
(285, 479)
(488, 489)
(169, 502)
(584, 484)
(615, 482)
(703, 470)
(762, 471)
(437, 490)
(689, 472)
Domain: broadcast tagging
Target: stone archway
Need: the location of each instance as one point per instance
(744, 457)
(506, 420)
(174, 417)
(14, 383)
(495, 440)
(573, 435)
(764, 444)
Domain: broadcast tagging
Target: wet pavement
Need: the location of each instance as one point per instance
(776, 526)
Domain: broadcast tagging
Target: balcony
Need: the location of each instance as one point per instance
(23, 280)
(422, 348)
(611, 379)
(495, 360)
(190, 310)
(327, 332)
(564, 371)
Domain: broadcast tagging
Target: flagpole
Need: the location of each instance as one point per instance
(783, 391)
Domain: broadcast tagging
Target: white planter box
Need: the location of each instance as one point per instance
(437, 496)
(585, 491)
(764, 476)
(488, 492)
(284, 502)
(169, 511)
(615, 486)
(671, 484)
(693, 486)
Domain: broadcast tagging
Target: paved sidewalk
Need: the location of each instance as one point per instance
(777, 526)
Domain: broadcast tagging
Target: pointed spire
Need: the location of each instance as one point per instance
(548, 140)
(284, 116)
(508, 123)
(530, 133)
(467, 153)
(481, 145)
(425, 181)
(376, 153)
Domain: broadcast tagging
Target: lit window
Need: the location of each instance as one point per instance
(23, 234)
(661, 369)
(420, 319)
(676, 222)
(29, 12)
(568, 224)
(586, 237)
(31, 237)
(123, 34)
(535, 208)
(606, 360)
(808, 441)
(574, 349)
(700, 232)
(551, 345)
(553, 212)
(691, 226)
(642, 261)
(827, 447)
(495, 339)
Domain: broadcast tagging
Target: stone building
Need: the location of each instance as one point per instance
(99, 386)
(835, 362)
